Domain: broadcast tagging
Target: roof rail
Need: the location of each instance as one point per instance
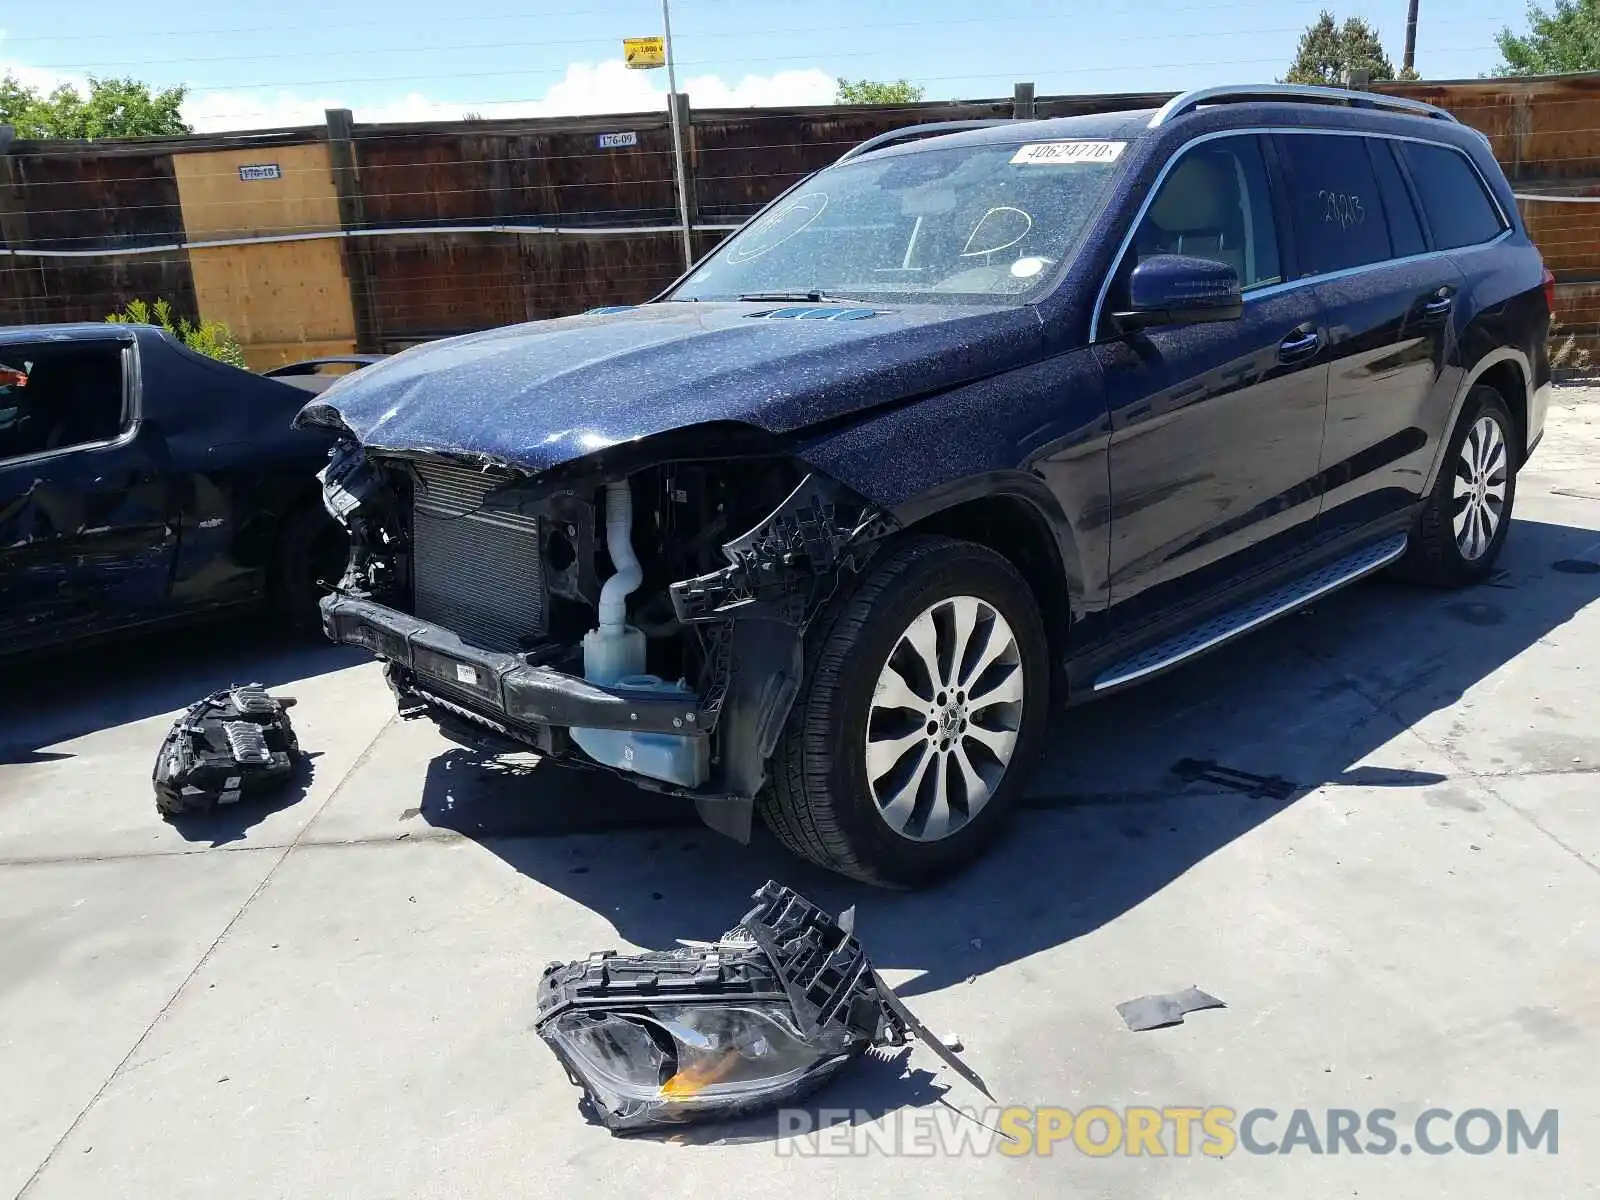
(911, 132)
(1305, 93)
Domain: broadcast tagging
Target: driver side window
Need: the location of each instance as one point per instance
(1215, 203)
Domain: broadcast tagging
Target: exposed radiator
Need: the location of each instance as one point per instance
(478, 574)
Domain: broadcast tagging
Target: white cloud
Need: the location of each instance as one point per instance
(587, 88)
(42, 79)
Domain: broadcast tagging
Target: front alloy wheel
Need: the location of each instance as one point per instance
(945, 718)
(924, 698)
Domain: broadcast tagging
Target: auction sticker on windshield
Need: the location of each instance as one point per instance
(1053, 153)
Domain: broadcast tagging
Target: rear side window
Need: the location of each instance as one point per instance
(1405, 230)
(1459, 210)
(1339, 216)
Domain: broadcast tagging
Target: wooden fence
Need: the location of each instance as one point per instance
(394, 234)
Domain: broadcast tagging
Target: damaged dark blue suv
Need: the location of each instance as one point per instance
(976, 421)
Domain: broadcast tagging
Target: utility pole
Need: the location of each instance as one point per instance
(1411, 39)
(677, 136)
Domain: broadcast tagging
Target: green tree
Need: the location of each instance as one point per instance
(114, 108)
(211, 338)
(869, 91)
(1567, 39)
(1328, 50)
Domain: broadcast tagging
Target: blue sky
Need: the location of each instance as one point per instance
(416, 59)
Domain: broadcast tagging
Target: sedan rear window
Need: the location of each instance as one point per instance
(987, 223)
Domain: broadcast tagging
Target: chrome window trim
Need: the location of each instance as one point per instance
(132, 412)
(1346, 272)
(1509, 226)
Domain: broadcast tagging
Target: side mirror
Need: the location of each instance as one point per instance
(1175, 289)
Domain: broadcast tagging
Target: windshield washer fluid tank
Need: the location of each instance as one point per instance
(664, 756)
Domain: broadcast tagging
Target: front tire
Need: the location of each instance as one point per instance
(312, 547)
(1465, 521)
(925, 696)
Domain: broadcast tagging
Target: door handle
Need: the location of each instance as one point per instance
(1301, 344)
(1440, 302)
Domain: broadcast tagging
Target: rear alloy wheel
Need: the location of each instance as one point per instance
(1467, 516)
(925, 695)
(1478, 488)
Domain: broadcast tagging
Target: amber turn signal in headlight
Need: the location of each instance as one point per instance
(764, 1015)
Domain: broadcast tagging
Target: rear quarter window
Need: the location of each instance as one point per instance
(1339, 216)
(1458, 209)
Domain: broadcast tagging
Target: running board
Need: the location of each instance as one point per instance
(1268, 607)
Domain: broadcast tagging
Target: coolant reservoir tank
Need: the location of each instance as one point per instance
(664, 756)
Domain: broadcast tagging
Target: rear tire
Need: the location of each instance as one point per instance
(1467, 517)
(844, 794)
(313, 547)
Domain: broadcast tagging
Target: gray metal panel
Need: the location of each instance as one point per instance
(1262, 609)
(474, 573)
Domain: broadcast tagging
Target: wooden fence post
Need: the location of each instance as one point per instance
(352, 215)
(691, 160)
(26, 280)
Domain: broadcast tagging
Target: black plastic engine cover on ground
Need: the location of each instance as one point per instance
(234, 745)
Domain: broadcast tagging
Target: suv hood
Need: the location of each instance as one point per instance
(537, 395)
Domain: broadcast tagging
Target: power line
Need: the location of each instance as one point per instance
(1010, 73)
(368, 51)
(522, 16)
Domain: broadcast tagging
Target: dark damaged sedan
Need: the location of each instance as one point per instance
(969, 424)
(143, 484)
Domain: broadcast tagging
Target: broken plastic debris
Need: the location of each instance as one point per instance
(1157, 1012)
(233, 745)
(766, 1014)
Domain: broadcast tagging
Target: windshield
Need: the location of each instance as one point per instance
(985, 223)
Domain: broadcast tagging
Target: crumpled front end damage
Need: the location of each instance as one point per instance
(641, 609)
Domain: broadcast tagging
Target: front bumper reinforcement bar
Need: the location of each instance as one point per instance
(502, 686)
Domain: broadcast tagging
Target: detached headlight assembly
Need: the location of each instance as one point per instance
(766, 1014)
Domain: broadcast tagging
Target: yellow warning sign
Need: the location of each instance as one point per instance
(641, 54)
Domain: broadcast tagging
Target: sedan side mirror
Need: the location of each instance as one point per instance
(1175, 289)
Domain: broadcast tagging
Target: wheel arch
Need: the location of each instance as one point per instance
(1508, 371)
(1014, 514)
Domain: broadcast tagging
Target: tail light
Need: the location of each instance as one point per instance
(1550, 291)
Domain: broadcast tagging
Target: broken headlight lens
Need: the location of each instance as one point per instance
(723, 1029)
(671, 1063)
